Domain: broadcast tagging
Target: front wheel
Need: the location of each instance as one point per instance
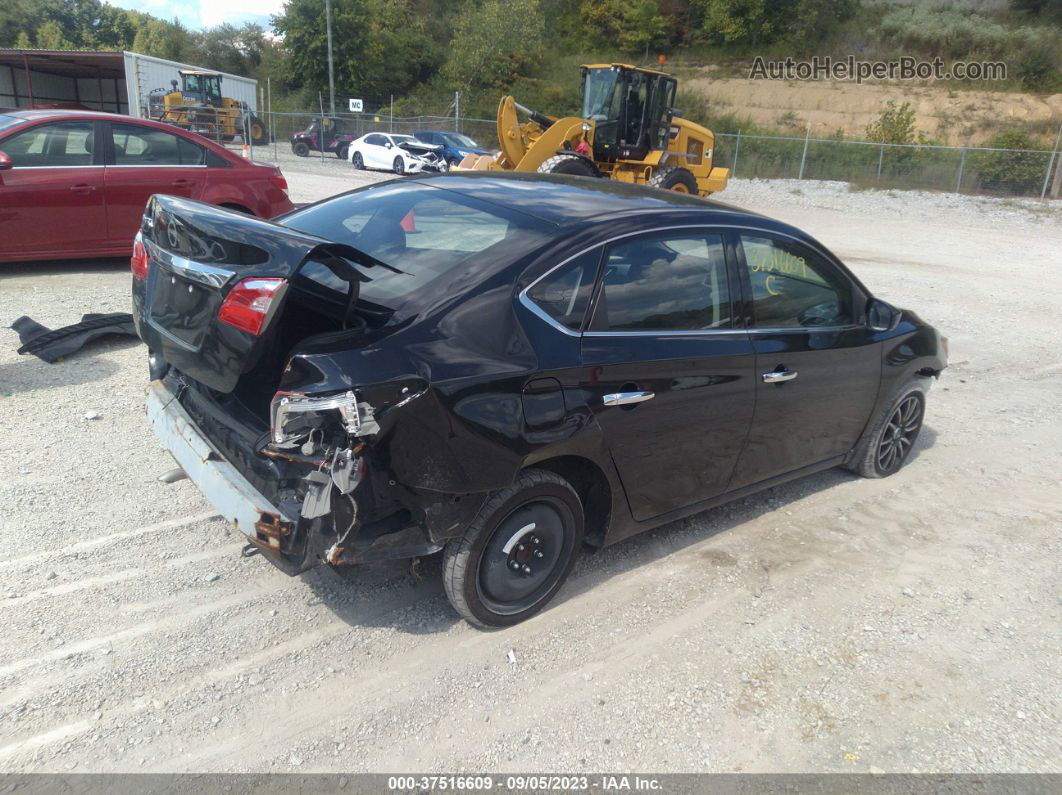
(357, 161)
(676, 178)
(888, 442)
(399, 165)
(300, 148)
(517, 552)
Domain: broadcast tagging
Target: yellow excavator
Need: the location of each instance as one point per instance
(199, 106)
(629, 131)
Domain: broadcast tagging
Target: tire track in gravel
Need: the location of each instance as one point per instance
(113, 538)
(288, 721)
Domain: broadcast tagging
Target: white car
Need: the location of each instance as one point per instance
(402, 154)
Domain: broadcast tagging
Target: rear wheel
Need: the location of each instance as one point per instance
(342, 152)
(888, 442)
(569, 164)
(399, 165)
(675, 178)
(258, 133)
(300, 148)
(517, 553)
(357, 161)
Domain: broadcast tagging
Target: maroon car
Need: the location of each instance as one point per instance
(74, 183)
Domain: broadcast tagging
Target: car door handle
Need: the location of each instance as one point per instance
(626, 398)
(182, 183)
(778, 376)
(82, 188)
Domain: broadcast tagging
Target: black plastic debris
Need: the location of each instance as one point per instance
(52, 345)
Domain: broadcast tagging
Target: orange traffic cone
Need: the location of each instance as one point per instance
(246, 151)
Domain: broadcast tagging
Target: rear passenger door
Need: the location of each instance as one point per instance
(142, 161)
(666, 371)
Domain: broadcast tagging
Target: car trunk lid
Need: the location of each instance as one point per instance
(201, 255)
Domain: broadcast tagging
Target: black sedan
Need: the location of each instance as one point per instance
(505, 368)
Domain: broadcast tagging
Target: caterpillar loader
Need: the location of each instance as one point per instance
(199, 106)
(629, 131)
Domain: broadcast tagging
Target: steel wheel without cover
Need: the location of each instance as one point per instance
(900, 433)
(522, 560)
(517, 552)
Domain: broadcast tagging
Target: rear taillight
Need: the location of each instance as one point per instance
(138, 263)
(247, 307)
(278, 180)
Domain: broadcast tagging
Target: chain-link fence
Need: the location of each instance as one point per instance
(283, 126)
(1013, 172)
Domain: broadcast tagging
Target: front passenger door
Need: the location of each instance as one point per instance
(667, 374)
(817, 365)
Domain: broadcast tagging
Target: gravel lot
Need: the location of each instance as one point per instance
(832, 624)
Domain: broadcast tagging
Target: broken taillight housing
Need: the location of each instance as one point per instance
(249, 304)
(138, 263)
(279, 180)
(295, 417)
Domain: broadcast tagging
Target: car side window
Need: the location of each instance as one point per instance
(565, 293)
(144, 146)
(68, 143)
(665, 283)
(376, 140)
(793, 287)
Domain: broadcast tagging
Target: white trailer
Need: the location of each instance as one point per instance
(116, 82)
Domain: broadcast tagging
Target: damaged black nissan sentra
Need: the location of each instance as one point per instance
(504, 368)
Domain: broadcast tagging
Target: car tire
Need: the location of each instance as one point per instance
(536, 523)
(399, 166)
(342, 152)
(357, 161)
(572, 165)
(676, 178)
(888, 441)
(300, 148)
(452, 161)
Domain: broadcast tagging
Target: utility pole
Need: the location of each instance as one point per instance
(331, 74)
(457, 111)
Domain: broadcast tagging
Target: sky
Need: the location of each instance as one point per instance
(197, 14)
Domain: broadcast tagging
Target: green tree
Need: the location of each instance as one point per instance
(632, 25)
(379, 46)
(49, 36)
(495, 42)
(895, 125)
(1010, 171)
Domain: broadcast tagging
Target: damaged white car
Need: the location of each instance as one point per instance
(402, 154)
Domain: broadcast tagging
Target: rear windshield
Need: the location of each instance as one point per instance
(422, 232)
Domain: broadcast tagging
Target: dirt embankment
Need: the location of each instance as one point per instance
(952, 115)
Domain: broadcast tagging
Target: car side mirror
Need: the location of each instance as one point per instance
(882, 316)
(5, 161)
(388, 144)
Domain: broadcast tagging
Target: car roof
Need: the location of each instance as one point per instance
(566, 199)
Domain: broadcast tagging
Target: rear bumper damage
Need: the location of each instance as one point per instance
(282, 530)
(231, 494)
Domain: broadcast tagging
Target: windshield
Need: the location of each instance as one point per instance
(598, 92)
(404, 139)
(420, 232)
(460, 141)
(9, 121)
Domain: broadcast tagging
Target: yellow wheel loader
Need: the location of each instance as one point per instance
(629, 131)
(199, 106)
